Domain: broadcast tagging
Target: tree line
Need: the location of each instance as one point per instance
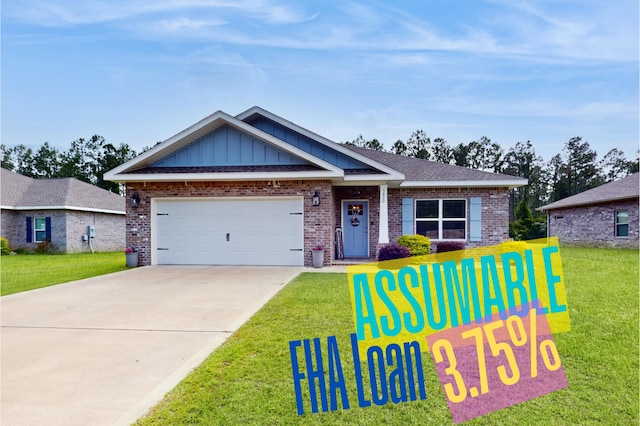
(86, 160)
(575, 169)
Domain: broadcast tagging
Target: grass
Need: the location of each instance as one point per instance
(30, 271)
(248, 380)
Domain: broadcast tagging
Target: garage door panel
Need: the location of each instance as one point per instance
(230, 232)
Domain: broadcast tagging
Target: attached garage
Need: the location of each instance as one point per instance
(227, 231)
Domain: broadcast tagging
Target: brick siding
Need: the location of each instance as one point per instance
(321, 221)
(594, 225)
(318, 220)
(67, 229)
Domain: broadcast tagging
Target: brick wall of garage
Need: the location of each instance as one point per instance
(318, 221)
(594, 225)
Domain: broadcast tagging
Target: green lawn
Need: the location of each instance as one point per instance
(248, 380)
(30, 271)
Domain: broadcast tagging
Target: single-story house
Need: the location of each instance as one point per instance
(605, 216)
(257, 189)
(60, 211)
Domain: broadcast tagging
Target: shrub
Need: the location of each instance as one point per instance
(449, 246)
(44, 247)
(418, 245)
(4, 246)
(511, 246)
(393, 251)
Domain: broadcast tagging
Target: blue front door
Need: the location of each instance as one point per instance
(355, 228)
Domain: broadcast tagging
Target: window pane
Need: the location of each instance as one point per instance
(39, 223)
(622, 230)
(453, 230)
(454, 209)
(622, 217)
(427, 209)
(40, 236)
(427, 228)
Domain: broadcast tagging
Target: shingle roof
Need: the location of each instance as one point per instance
(418, 170)
(625, 188)
(20, 192)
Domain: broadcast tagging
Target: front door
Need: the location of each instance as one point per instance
(355, 228)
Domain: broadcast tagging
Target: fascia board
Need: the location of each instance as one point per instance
(318, 138)
(190, 177)
(376, 177)
(511, 183)
(62, 207)
(585, 203)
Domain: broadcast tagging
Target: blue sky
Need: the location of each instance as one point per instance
(138, 72)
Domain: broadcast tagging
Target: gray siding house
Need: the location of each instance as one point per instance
(60, 211)
(257, 189)
(606, 216)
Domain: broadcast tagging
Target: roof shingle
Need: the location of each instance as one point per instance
(20, 191)
(625, 188)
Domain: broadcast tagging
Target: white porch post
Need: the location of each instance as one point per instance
(383, 221)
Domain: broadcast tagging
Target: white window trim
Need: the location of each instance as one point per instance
(442, 219)
(36, 230)
(616, 223)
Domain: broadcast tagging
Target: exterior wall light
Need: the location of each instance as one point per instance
(316, 199)
(135, 200)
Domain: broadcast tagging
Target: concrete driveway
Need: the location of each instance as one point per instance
(104, 350)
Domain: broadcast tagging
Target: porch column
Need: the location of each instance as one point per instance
(383, 220)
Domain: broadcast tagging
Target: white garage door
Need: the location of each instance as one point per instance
(229, 231)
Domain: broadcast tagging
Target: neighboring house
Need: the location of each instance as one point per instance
(603, 216)
(60, 211)
(256, 189)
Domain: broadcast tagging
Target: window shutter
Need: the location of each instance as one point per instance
(29, 229)
(407, 216)
(47, 229)
(475, 219)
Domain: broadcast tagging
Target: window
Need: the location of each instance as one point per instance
(622, 223)
(442, 219)
(39, 229)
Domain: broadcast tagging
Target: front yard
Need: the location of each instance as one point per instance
(30, 271)
(248, 380)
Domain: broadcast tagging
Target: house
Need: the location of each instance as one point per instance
(257, 189)
(60, 211)
(603, 216)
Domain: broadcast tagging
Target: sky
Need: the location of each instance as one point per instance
(138, 72)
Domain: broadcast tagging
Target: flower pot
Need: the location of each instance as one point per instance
(132, 259)
(317, 256)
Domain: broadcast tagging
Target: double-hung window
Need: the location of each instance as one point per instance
(622, 223)
(39, 229)
(442, 219)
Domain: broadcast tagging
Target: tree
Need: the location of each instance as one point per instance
(576, 170)
(369, 144)
(418, 145)
(23, 160)
(441, 151)
(485, 155)
(614, 165)
(46, 162)
(399, 148)
(6, 160)
(522, 161)
(111, 158)
(460, 155)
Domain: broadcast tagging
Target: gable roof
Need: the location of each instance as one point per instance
(319, 159)
(20, 192)
(419, 172)
(623, 189)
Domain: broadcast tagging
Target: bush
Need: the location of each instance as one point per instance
(393, 251)
(4, 246)
(44, 247)
(449, 246)
(511, 246)
(418, 245)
